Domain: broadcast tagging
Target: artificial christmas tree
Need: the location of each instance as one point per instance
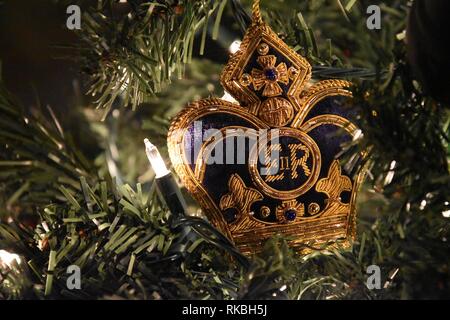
(89, 200)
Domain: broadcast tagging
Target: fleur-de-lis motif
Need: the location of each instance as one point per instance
(333, 186)
(239, 196)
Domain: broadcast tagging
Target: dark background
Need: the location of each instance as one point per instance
(36, 67)
(32, 68)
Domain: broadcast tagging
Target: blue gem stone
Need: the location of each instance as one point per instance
(271, 74)
(290, 214)
(230, 215)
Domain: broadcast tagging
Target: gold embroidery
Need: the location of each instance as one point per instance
(233, 70)
(299, 162)
(329, 119)
(313, 208)
(276, 112)
(290, 211)
(291, 163)
(263, 48)
(249, 233)
(269, 76)
(273, 165)
(318, 92)
(336, 221)
(314, 171)
(276, 177)
(246, 79)
(264, 211)
(333, 186)
(239, 196)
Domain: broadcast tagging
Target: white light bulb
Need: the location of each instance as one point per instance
(423, 204)
(156, 161)
(7, 258)
(228, 97)
(390, 174)
(234, 47)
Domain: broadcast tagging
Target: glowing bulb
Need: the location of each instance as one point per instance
(228, 97)
(235, 45)
(390, 174)
(423, 204)
(156, 161)
(358, 134)
(8, 259)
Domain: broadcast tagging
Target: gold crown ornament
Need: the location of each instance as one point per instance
(269, 165)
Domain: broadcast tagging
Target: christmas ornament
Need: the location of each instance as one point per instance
(268, 164)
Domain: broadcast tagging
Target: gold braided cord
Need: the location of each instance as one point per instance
(256, 12)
